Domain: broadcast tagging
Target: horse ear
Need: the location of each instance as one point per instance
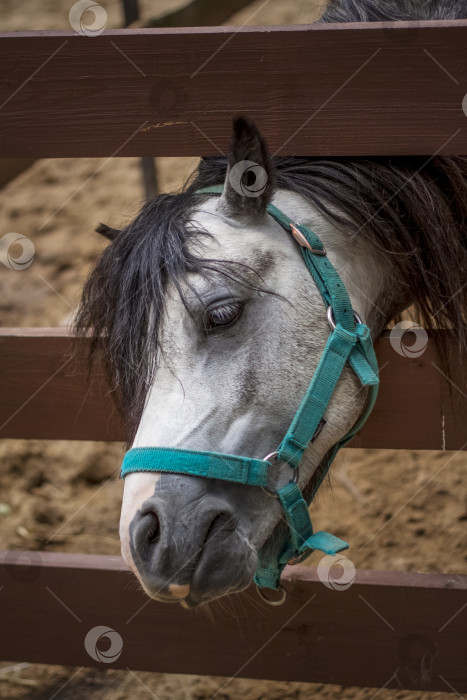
(110, 233)
(249, 181)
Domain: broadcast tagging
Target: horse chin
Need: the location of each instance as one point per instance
(199, 597)
(223, 569)
(217, 576)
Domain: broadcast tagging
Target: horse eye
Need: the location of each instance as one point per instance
(224, 315)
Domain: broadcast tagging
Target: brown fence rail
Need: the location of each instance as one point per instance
(43, 395)
(398, 630)
(318, 90)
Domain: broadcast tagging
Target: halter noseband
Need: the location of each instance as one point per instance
(349, 341)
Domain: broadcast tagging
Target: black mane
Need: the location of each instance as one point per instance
(393, 10)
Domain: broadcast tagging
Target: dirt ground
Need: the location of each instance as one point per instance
(414, 500)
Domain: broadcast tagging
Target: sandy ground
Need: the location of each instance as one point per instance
(415, 501)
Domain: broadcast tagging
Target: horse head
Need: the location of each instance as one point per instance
(212, 328)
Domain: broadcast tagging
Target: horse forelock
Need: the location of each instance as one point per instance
(124, 298)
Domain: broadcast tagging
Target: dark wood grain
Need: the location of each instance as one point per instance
(45, 391)
(395, 629)
(315, 90)
(43, 394)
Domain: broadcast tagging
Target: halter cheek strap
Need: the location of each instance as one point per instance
(349, 342)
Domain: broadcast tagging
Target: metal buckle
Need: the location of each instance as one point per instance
(297, 558)
(302, 241)
(318, 430)
(331, 319)
(294, 479)
(267, 600)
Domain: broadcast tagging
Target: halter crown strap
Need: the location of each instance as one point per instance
(349, 342)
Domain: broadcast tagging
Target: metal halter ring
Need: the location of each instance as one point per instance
(279, 601)
(269, 491)
(331, 320)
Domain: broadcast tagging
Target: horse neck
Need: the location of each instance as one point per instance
(376, 291)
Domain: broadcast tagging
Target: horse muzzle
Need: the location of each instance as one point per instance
(189, 550)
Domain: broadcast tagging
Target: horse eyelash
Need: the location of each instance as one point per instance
(224, 308)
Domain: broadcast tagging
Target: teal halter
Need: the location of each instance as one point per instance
(349, 341)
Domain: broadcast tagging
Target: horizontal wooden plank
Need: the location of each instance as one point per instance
(399, 630)
(349, 89)
(43, 394)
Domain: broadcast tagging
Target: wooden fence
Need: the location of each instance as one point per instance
(318, 90)
(375, 89)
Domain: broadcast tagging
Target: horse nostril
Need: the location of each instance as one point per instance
(221, 521)
(154, 529)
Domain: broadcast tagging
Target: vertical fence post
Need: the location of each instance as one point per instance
(148, 165)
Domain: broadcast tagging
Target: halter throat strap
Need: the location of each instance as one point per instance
(350, 343)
